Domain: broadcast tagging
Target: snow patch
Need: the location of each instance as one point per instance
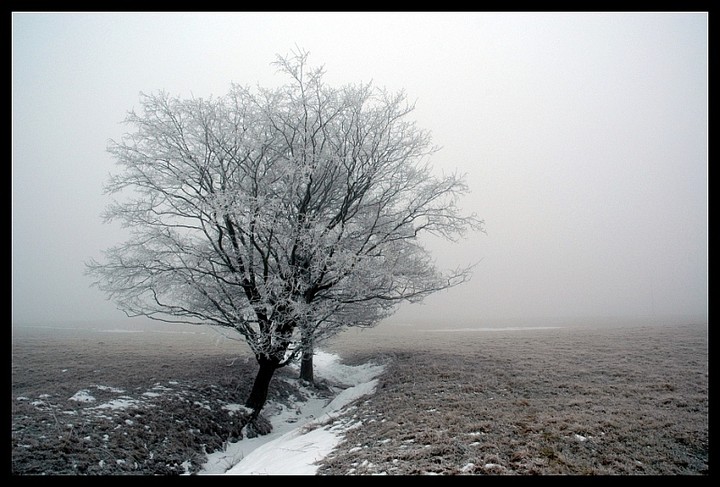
(235, 408)
(82, 396)
(110, 389)
(121, 403)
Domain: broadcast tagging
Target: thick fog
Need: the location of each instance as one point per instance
(584, 137)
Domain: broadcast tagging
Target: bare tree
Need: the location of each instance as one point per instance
(285, 214)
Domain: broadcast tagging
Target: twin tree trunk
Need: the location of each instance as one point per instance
(259, 392)
(306, 362)
(306, 366)
(268, 366)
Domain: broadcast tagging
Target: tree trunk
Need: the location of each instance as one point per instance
(306, 365)
(259, 392)
(308, 350)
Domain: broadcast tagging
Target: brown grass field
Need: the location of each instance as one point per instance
(569, 401)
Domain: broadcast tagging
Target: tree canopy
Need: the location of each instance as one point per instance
(278, 212)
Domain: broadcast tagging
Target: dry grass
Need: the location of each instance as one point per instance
(176, 388)
(581, 402)
(572, 401)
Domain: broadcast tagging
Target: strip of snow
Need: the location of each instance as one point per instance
(298, 441)
(510, 328)
(294, 453)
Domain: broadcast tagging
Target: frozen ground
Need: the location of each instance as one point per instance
(300, 437)
(542, 401)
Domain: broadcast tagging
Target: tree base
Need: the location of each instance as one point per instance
(259, 426)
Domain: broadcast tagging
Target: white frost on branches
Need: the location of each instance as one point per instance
(279, 213)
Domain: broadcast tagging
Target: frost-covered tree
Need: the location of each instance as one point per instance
(286, 214)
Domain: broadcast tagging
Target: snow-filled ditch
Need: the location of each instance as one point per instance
(303, 433)
(301, 436)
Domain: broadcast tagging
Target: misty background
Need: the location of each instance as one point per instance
(584, 137)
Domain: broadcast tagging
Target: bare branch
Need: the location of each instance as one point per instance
(278, 211)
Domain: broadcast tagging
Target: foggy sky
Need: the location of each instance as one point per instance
(583, 136)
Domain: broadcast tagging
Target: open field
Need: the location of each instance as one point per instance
(616, 401)
(559, 401)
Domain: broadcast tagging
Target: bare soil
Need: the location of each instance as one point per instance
(576, 401)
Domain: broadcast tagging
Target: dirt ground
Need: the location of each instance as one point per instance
(619, 401)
